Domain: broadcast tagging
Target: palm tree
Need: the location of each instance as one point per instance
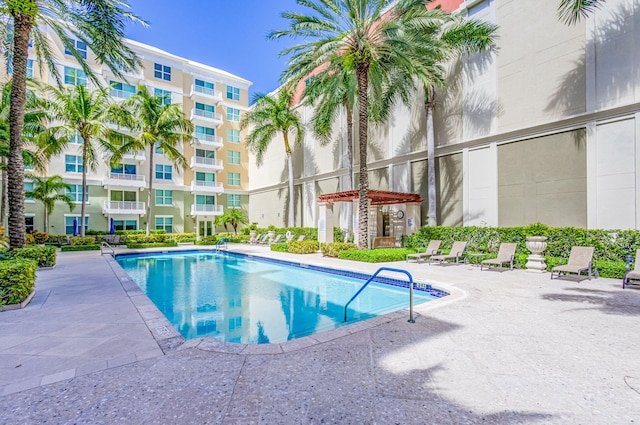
(155, 125)
(269, 116)
(96, 23)
(235, 217)
(373, 41)
(571, 11)
(80, 111)
(47, 190)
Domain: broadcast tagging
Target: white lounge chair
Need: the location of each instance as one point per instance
(431, 249)
(632, 274)
(457, 253)
(506, 254)
(580, 260)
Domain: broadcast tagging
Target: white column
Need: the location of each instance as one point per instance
(412, 217)
(592, 177)
(325, 222)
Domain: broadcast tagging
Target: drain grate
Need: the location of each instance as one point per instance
(162, 330)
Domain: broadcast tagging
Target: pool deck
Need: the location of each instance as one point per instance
(509, 347)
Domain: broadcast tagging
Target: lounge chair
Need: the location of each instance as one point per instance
(506, 254)
(632, 274)
(580, 260)
(457, 252)
(431, 249)
(300, 238)
(347, 237)
(275, 240)
(254, 240)
(264, 240)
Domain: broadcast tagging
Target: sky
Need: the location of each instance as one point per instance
(227, 34)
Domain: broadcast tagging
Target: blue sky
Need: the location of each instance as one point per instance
(226, 34)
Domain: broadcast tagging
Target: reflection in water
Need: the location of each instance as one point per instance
(223, 296)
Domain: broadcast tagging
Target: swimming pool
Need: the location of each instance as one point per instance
(236, 298)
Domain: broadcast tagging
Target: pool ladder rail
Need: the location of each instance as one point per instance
(373, 276)
(104, 246)
(222, 244)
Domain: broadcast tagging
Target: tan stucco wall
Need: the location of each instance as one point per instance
(449, 206)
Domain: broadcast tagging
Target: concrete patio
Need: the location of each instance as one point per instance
(506, 348)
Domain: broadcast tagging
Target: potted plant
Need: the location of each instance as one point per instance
(536, 235)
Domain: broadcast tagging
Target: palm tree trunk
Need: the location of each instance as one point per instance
(350, 164)
(151, 152)
(15, 166)
(291, 220)
(46, 219)
(84, 182)
(363, 128)
(431, 157)
(3, 195)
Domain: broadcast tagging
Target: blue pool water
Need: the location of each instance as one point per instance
(238, 299)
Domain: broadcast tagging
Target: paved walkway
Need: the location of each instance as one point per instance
(507, 348)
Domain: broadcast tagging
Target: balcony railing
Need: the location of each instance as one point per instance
(209, 115)
(206, 91)
(206, 186)
(201, 209)
(129, 180)
(209, 140)
(124, 207)
(120, 94)
(208, 163)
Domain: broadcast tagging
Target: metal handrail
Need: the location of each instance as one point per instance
(105, 245)
(389, 269)
(221, 242)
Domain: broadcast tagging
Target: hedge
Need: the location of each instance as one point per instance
(87, 240)
(17, 280)
(44, 256)
(333, 249)
(279, 247)
(610, 246)
(304, 247)
(166, 244)
(73, 248)
(379, 255)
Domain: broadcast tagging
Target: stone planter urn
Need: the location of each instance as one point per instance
(252, 234)
(271, 234)
(535, 261)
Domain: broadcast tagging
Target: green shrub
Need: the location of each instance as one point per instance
(91, 232)
(304, 247)
(87, 240)
(144, 239)
(73, 248)
(141, 232)
(207, 240)
(333, 249)
(44, 256)
(239, 239)
(167, 243)
(40, 237)
(279, 247)
(310, 233)
(182, 237)
(380, 255)
(17, 280)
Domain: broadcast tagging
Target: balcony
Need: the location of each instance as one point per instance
(120, 94)
(200, 186)
(125, 180)
(207, 116)
(123, 207)
(131, 156)
(136, 75)
(199, 209)
(205, 93)
(209, 164)
(209, 140)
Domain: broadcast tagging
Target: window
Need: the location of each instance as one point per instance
(125, 224)
(164, 223)
(233, 93)
(233, 136)
(163, 172)
(28, 167)
(28, 187)
(75, 192)
(29, 68)
(204, 110)
(233, 114)
(205, 177)
(76, 139)
(68, 224)
(233, 157)
(123, 195)
(122, 90)
(233, 179)
(28, 222)
(205, 87)
(80, 46)
(205, 200)
(72, 164)
(159, 150)
(205, 133)
(165, 95)
(162, 72)
(233, 201)
(124, 169)
(202, 153)
(74, 77)
(235, 323)
(164, 197)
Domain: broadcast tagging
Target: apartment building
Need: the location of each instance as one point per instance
(183, 200)
(546, 129)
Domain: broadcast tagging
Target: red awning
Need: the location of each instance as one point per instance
(377, 197)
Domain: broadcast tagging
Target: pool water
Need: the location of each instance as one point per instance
(238, 299)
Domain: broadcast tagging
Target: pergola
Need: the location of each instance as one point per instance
(376, 197)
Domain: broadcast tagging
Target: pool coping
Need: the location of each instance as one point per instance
(169, 339)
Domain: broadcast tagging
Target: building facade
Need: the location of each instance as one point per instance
(546, 129)
(183, 200)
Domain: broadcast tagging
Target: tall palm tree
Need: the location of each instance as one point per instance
(154, 125)
(77, 110)
(372, 40)
(269, 116)
(235, 217)
(97, 23)
(572, 11)
(47, 190)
